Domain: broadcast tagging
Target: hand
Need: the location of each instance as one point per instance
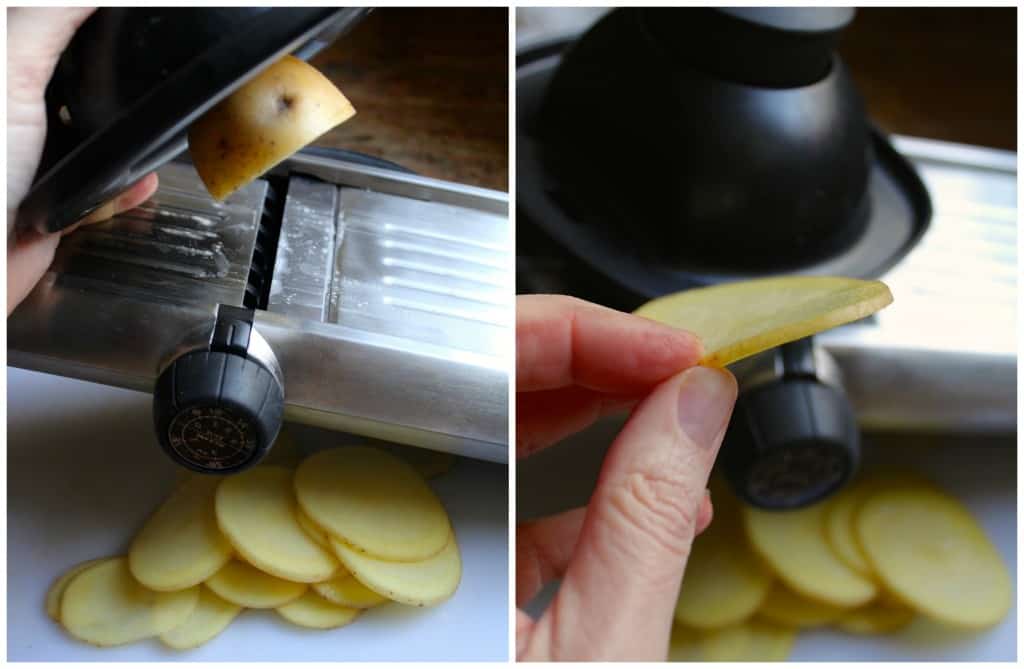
(621, 559)
(35, 39)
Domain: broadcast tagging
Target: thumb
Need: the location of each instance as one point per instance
(621, 586)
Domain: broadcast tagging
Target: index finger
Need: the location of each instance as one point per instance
(563, 341)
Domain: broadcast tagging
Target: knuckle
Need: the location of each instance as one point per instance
(658, 508)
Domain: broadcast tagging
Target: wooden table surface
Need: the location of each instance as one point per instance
(430, 88)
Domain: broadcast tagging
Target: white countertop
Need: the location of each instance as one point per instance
(85, 470)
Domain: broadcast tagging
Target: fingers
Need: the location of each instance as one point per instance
(562, 341)
(621, 585)
(36, 36)
(138, 193)
(27, 261)
(543, 548)
(545, 417)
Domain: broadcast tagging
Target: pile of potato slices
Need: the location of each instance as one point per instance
(886, 549)
(317, 539)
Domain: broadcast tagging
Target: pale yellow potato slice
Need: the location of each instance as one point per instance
(751, 641)
(244, 585)
(424, 583)
(211, 616)
(105, 606)
(374, 501)
(725, 582)
(256, 511)
(876, 618)
(793, 543)
(932, 554)
(279, 111)
(346, 590)
(737, 320)
(56, 591)
(312, 610)
(317, 533)
(785, 607)
(180, 545)
(839, 513)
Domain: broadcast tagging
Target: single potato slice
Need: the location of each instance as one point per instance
(211, 616)
(256, 511)
(737, 320)
(839, 512)
(928, 550)
(269, 118)
(346, 590)
(785, 607)
(56, 591)
(751, 641)
(180, 545)
(316, 533)
(374, 501)
(725, 581)
(244, 585)
(312, 610)
(876, 618)
(793, 543)
(415, 583)
(105, 606)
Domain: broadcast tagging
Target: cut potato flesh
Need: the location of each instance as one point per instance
(56, 591)
(348, 591)
(752, 641)
(794, 545)
(839, 528)
(737, 320)
(785, 607)
(269, 118)
(724, 582)
(876, 618)
(415, 583)
(244, 585)
(312, 610)
(928, 549)
(105, 606)
(374, 501)
(256, 511)
(211, 616)
(317, 533)
(180, 545)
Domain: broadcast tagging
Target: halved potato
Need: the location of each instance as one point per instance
(736, 320)
(374, 501)
(256, 511)
(932, 554)
(211, 616)
(794, 545)
(312, 610)
(876, 618)
(424, 583)
(105, 606)
(346, 590)
(244, 585)
(56, 591)
(785, 607)
(269, 118)
(180, 545)
(751, 641)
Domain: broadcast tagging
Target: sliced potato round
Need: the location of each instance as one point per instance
(794, 545)
(312, 610)
(374, 501)
(244, 585)
(256, 511)
(346, 590)
(785, 607)
(839, 512)
(269, 118)
(105, 606)
(424, 583)
(180, 545)
(876, 618)
(211, 616)
(56, 591)
(751, 641)
(928, 549)
(725, 582)
(736, 320)
(317, 533)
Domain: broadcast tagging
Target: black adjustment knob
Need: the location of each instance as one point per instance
(790, 443)
(217, 412)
